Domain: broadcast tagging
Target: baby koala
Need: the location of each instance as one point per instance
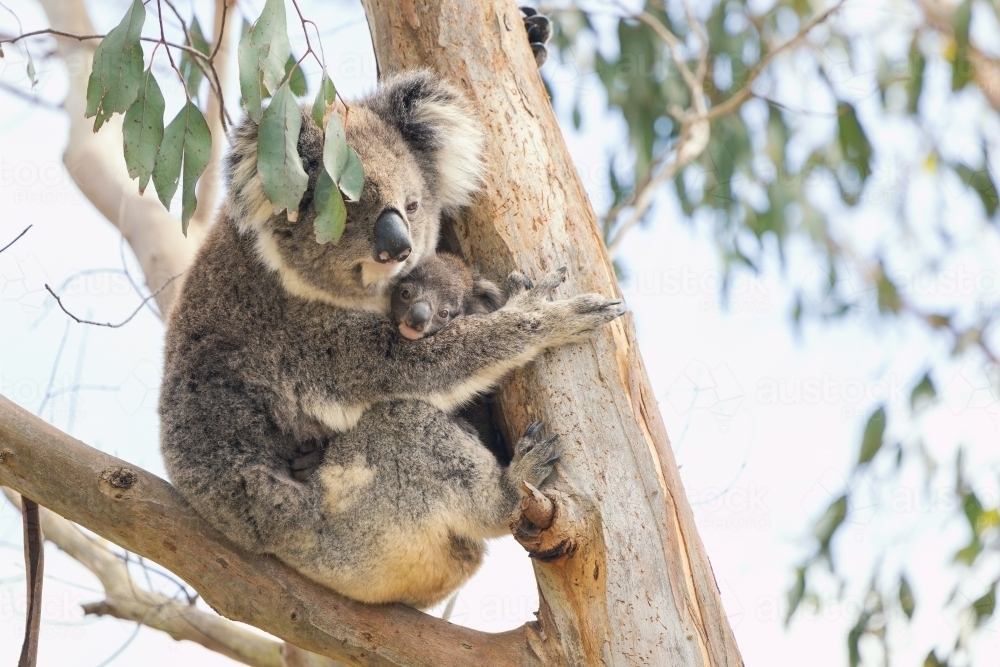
(438, 290)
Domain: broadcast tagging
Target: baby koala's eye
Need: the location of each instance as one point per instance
(405, 295)
(443, 314)
(412, 207)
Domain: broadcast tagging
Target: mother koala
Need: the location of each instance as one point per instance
(276, 341)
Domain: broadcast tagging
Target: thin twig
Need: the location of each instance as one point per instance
(222, 32)
(16, 238)
(745, 93)
(109, 324)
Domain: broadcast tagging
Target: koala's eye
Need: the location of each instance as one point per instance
(405, 295)
(412, 207)
(443, 314)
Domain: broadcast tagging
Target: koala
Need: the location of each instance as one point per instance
(277, 342)
(438, 290)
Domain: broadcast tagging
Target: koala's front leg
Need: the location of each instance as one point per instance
(470, 355)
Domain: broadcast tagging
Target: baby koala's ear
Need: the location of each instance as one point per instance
(486, 297)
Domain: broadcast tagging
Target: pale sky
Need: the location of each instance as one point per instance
(764, 422)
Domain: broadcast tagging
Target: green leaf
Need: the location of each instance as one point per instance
(278, 161)
(932, 661)
(853, 140)
(335, 149)
(192, 73)
(796, 593)
(331, 214)
(961, 67)
(114, 80)
(906, 597)
(353, 179)
(985, 606)
(296, 79)
(871, 442)
(827, 524)
(186, 147)
(923, 393)
(143, 130)
(325, 96)
(983, 184)
(262, 55)
(915, 83)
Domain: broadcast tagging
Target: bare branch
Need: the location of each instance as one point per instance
(125, 600)
(208, 184)
(17, 238)
(109, 324)
(145, 515)
(696, 128)
(744, 93)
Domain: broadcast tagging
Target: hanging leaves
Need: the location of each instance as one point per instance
(115, 78)
(262, 55)
(325, 96)
(143, 130)
(278, 161)
(186, 147)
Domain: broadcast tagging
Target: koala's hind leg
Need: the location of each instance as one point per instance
(408, 496)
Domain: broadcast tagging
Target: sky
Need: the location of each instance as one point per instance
(764, 419)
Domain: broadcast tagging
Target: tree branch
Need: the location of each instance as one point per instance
(695, 123)
(145, 515)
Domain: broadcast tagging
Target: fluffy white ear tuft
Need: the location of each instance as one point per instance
(246, 202)
(459, 157)
(437, 122)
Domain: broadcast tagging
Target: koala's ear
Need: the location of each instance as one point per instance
(438, 123)
(486, 297)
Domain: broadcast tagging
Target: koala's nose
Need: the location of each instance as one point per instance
(419, 314)
(392, 242)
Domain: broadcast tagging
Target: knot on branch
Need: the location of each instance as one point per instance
(116, 481)
(545, 525)
(5, 456)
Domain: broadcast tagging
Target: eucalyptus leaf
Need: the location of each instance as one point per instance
(353, 179)
(117, 70)
(871, 441)
(923, 393)
(325, 96)
(278, 161)
(185, 150)
(331, 214)
(262, 55)
(296, 78)
(906, 597)
(143, 130)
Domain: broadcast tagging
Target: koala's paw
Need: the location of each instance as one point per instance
(576, 318)
(539, 29)
(518, 283)
(534, 457)
(307, 459)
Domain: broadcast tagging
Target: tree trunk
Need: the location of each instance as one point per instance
(639, 588)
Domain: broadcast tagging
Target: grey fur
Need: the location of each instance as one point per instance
(277, 341)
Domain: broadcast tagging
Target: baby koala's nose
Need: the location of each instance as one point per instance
(420, 314)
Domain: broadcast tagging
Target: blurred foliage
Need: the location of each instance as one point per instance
(760, 190)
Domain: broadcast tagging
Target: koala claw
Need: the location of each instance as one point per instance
(533, 457)
(532, 429)
(518, 283)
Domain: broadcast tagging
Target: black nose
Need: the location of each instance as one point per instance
(419, 314)
(392, 243)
